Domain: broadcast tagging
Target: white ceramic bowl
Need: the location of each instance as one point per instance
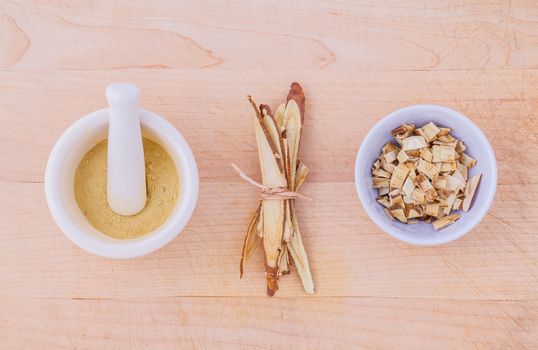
(59, 185)
(478, 147)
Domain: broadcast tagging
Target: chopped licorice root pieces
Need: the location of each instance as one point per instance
(469, 192)
(426, 177)
(429, 131)
(413, 142)
(399, 214)
(444, 222)
(384, 202)
(380, 182)
(398, 176)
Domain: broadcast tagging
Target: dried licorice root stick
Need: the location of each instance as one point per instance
(275, 223)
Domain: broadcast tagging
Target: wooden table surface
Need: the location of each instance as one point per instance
(195, 63)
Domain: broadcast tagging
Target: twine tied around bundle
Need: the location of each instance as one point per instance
(279, 193)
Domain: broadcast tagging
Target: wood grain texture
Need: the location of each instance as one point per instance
(252, 323)
(195, 63)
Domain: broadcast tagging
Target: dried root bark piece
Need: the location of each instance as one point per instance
(444, 131)
(279, 114)
(273, 210)
(399, 214)
(415, 213)
(463, 170)
(426, 154)
(430, 131)
(383, 191)
(470, 191)
(454, 184)
(413, 143)
(443, 154)
(389, 167)
(460, 147)
(408, 201)
(377, 164)
(300, 259)
(418, 196)
(444, 222)
(300, 175)
(397, 202)
(398, 177)
(252, 240)
(288, 227)
(402, 156)
(460, 179)
(426, 186)
(261, 124)
(427, 169)
(284, 262)
(449, 203)
(467, 160)
(290, 132)
(403, 131)
(293, 122)
(448, 167)
(384, 201)
(413, 154)
(440, 182)
(394, 193)
(389, 147)
(447, 140)
(412, 175)
(294, 117)
(391, 156)
(381, 173)
(457, 204)
(270, 124)
(408, 187)
(432, 209)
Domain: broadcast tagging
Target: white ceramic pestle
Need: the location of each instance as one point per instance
(126, 181)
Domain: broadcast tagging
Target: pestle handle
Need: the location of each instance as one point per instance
(126, 173)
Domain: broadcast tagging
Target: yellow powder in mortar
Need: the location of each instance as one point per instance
(162, 191)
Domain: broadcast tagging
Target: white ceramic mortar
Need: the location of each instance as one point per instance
(76, 141)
